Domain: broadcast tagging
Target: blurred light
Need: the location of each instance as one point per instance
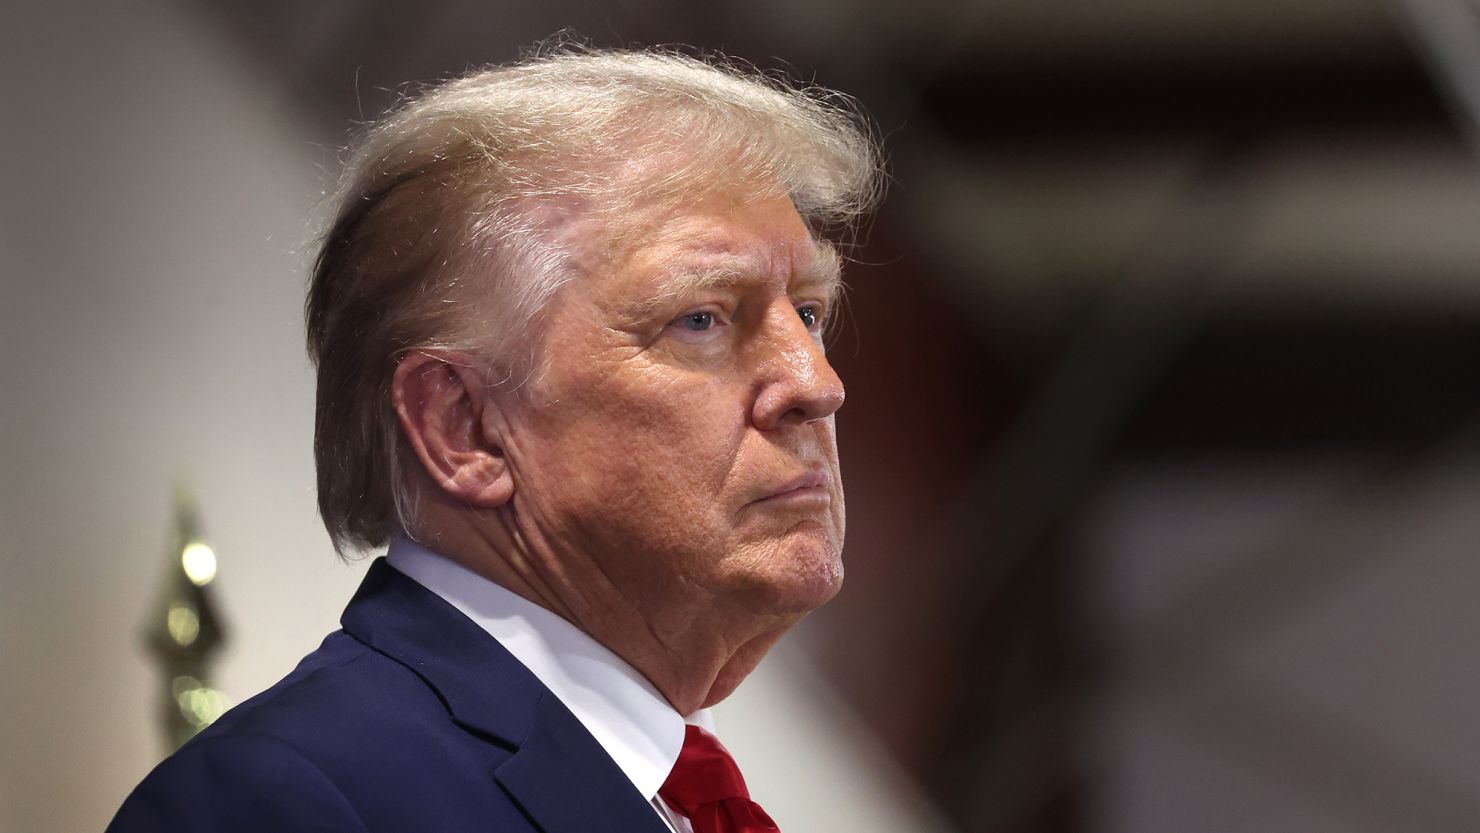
(200, 705)
(183, 624)
(199, 562)
(182, 684)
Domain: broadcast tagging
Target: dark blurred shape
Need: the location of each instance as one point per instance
(185, 633)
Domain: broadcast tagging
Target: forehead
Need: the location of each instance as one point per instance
(747, 238)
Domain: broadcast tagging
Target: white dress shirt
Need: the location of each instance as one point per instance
(636, 726)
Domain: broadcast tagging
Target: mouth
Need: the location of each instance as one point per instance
(804, 489)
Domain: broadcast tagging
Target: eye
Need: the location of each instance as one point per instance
(699, 326)
(810, 314)
(696, 322)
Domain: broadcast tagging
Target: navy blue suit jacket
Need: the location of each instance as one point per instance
(410, 718)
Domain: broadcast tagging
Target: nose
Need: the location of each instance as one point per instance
(797, 385)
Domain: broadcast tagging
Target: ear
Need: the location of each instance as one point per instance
(440, 405)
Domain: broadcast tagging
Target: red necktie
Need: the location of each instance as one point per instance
(706, 786)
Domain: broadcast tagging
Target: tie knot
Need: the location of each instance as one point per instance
(705, 773)
(706, 786)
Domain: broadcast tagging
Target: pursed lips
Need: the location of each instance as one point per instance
(810, 486)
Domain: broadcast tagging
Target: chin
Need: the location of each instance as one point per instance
(804, 572)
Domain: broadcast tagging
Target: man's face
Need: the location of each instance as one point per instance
(678, 441)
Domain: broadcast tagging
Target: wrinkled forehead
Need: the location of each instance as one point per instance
(716, 245)
(734, 227)
(709, 251)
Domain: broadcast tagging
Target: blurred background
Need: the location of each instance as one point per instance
(1162, 438)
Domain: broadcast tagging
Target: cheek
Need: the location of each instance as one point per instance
(827, 440)
(673, 429)
(654, 453)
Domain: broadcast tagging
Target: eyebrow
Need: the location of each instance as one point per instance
(825, 271)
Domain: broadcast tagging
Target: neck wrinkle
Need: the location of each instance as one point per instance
(492, 545)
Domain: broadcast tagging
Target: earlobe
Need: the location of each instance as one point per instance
(440, 403)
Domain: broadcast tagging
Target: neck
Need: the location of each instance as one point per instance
(687, 649)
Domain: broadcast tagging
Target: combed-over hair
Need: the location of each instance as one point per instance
(436, 238)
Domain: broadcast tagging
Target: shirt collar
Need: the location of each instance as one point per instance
(624, 712)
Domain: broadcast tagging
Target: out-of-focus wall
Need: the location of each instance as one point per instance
(158, 204)
(1298, 644)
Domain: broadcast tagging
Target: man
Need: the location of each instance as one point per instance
(568, 328)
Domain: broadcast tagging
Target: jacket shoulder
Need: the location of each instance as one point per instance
(350, 735)
(272, 787)
(343, 694)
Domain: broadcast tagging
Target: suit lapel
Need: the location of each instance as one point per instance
(558, 773)
(568, 784)
(484, 687)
